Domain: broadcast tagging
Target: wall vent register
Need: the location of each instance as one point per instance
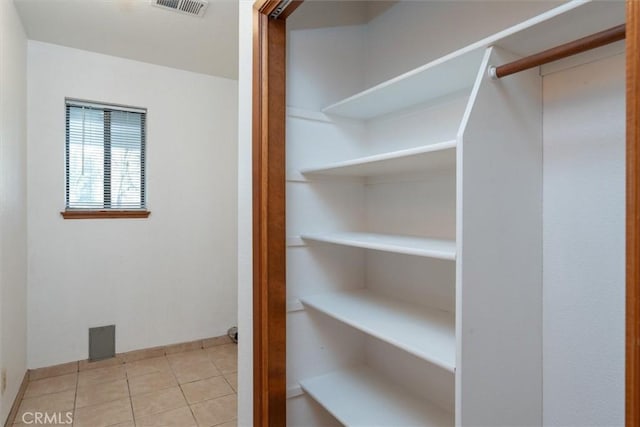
(188, 7)
(102, 342)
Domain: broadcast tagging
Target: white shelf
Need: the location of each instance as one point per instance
(410, 245)
(408, 160)
(426, 333)
(446, 75)
(361, 398)
(458, 70)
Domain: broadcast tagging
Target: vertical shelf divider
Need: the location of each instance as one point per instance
(499, 196)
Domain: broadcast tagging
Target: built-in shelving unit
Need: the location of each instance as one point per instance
(394, 322)
(409, 245)
(469, 320)
(432, 156)
(361, 397)
(444, 76)
(364, 396)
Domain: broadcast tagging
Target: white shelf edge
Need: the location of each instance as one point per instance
(296, 176)
(360, 397)
(383, 157)
(301, 113)
(295, 241)
(431, 248)
(294, 305)
(294, 391)
(386, 305)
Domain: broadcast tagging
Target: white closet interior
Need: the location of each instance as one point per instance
(414, 223)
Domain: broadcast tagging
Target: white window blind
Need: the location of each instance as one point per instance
(105, 157)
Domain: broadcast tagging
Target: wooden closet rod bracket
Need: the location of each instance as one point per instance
(568, 49)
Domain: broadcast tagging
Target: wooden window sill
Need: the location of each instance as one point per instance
(78, 214)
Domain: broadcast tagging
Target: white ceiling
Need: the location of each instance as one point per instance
(136, 30)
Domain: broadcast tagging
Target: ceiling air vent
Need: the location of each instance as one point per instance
(189, 7)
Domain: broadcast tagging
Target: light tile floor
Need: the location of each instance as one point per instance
(194, 388)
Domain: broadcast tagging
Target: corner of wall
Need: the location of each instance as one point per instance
(245, 347)
(13, 256)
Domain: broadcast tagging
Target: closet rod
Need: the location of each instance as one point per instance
(568, 49)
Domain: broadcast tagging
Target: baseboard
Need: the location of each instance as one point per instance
(16, 402)
(127, 357)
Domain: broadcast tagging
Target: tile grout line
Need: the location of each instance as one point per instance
(182, 391)
(133, 413)
(179, 387)
(188, 405)
(224, 375)
(227, 381)
(75, 396)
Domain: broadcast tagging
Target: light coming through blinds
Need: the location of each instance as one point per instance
(105, 155)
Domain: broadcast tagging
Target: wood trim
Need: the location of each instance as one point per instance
(269, 236)
(633, 216)
(290, 9)
(111, 214)
(13, 413)
(266, 7)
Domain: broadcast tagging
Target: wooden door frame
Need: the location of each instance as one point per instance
(632, 391)
(269, 235)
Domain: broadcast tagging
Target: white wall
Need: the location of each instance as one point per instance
(13, 226)
(584, 244)
(167, 279)
(245, 258)
(413, 33)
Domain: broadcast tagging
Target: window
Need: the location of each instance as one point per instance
(105, 161)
